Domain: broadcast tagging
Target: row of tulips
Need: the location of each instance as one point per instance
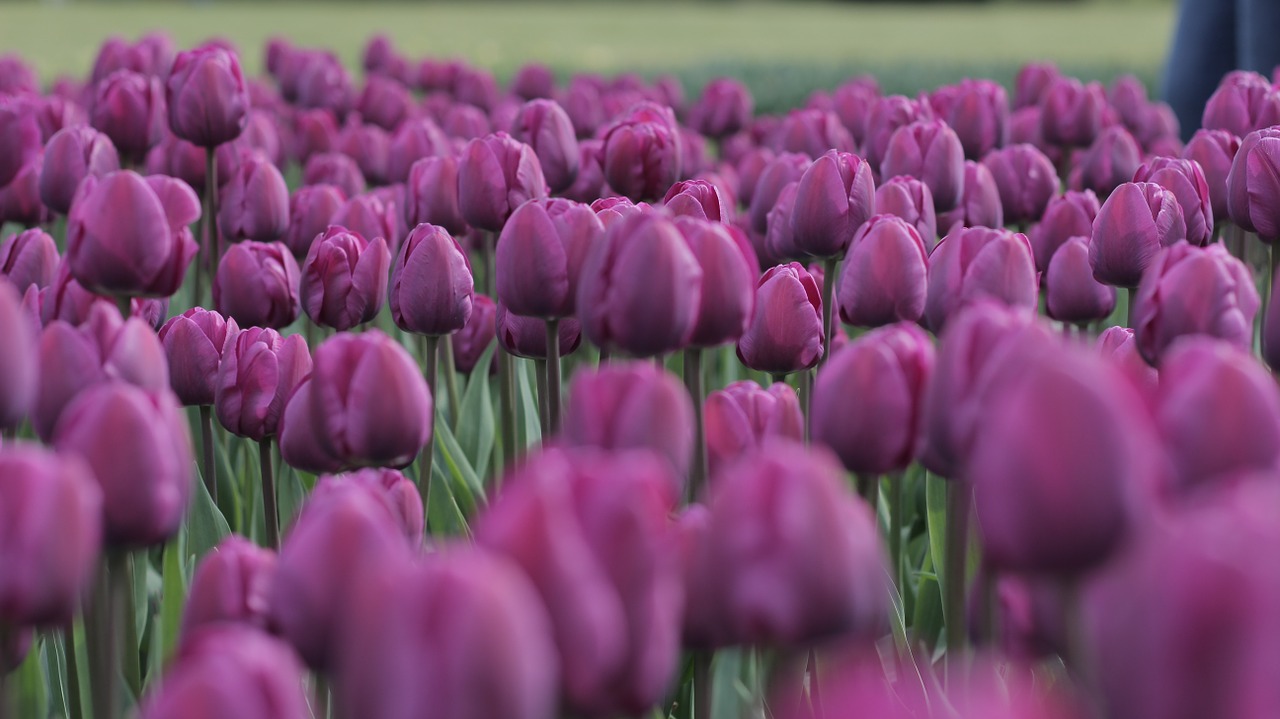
(832, 529)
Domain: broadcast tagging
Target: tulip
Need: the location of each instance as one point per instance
(1243, 102)
(1191, 291)
(1071, 112)
(384, 102)
(311, 210)
(1253, 186)
(883, 278)
(470, 342)
(1071, 293)
(129, 108)
(370, 147)
(262, 134)
(643, 315)
(544, 126)
(230, 671)
(231, 585)
(19, 370)
(1032, 82)
(390, 487)
(20, 199)
(533, 81)
(207, 97)
(1130, 228)
(911, 200)
(1187, 182)
(887, 115)
(725, 107)
(1110, 161)
(783, 170)
(729, 268)
(1025, 129)
(1056, 498)
(979, 116)
(700, 199)
(334, 168)
(1066, 216)
(642, 152)
(785, 333)
(178, 158)
(980, 204)
(757, 578)
(29, 258)
(466, 122)
(978, 262)
(811, 133)
(254, 203)
(591, 531)
(336, 541)
(589, 185)
(498, 651)
(20, 130)
(415, 140)
(835, 196)
(256, 375)
(432, 195)
(852, 103)
(300, 444)
(743, 416)
(1117, 346)
(193, 344)
(257, 285)
(431, 286)
(1217, 411)
(1214, 150)
(344, 278)
(73, 154)
(322, 82)
(375, 214)
(315, 132)
(931, 152)
(527, 337)
(137, 445)
(497, 174)
(129, 236)
(540, 257)
(1026, 180)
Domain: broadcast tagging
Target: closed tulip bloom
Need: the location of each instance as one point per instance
(315, 132)
(312, 209)
(1056, 498)
(527, 337)
(369, 146)
(778, 244)
(884, 277)
(852, 103)
(724, 107)
(432, 195)
(230, 671)
(544, 126)
(741, 417)
(1244, 102)
(19, 369)
(979, 262)
(785, 333)
(835, 196)
(334, 168)
(29, 258)
(911, 200)
(756, 575)
(540, 256)
(591, 531)
(178, 158)
(1033, 80)
(344, 278)
(729, 269)
(642, 152)
(21, 132)
(783, 170)
(1187, 182)
(322, 82)
(1072, 112)
(1072, 295)
(497, 174)
(129, 235)
(71, 155)
(137, 445)
(1253, 186)
(1117, 346)
(384, 102)
(1214, 151)
(810, 132)
(207, 97)
(257, 285)
(1025, 129)
(1067, 215)
(416, 139)
(193, 343)
(700, 199)
(52, 508)
(979, 116)
(470, 342)
(1026, 179)
(1110, 161)
(980, 204)
(393, 489)
(300, 443)
(887, 115)
(256, 375)
(254, 203)
(466, 122)
(20, 199)
(931, 152)
(1133, 224)
(129, 108)
(231, 585)
(431, 286)
(532, 81)
(1192, 291)
(641, 312)
(262, 134)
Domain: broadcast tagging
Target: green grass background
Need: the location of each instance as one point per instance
(783, 50)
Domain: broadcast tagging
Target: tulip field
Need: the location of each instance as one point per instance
(373, 385)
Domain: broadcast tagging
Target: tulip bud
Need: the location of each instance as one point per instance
(540, 256)
(835, 196)
(1066, 216)
(258, 372)
(1110, 161)
(369, 146)
(322, 82)
(700, 199)
(300, 444)
(21, 141)
(72, 155)
(432, 195)
(980, 204)
(979, 262)
(1191, 291)
(1032, 82)
(232, 584)
(315, 132)
(741, 417)
(29, 258)
(390, 487)
(931, 152)
(729, 268)
(544, 126)
(470, 342)
(207, 97)
(19, 370)
(1072, 295)
(1131, 227)
(384, 102)
(1186, 180)
(20, 199)
(1071, 112)
(1026, 180)
(1253, 187)
(137, 445)
(334, 168)
(1244, 102)
(979, 116)
(311, 210)
(884, 277)
(344, 279)
(642, 152)
(193, 344)
(783, 170)
(911, 200)
(725, 107)
(527, 337)
(1214, 150)
(785, 333)
(533, 81)
(257, 285)
(230, 670)
(431, 286)
(129, 108)
(497, 174)
(852, 103)
(254, 203)
(887, 115)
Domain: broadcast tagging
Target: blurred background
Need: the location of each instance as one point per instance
(783, 50)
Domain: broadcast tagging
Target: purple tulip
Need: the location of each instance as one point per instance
(756, 577)
(262, 134)
(743, 416)
(700, 199)
(1117, 346)
(19, 368)
(887, 115)
(73, 154)
(129, 108)
(311, 210)
(334, 168)
(390, 487)
(980, 117)
(20, 130)
(193, 344)
(810, 133)
(1111, 160)
(783, 170)
(497, 174)
(178, 158)
(300, 443)
(256, 375)
(1026, 180)
(315, 132)
(1214, 150)
(852, 103)
(415, 140)
(1066, 216)
(20, 199)
(384, 102)
(1130, 228)
(254, 202)
(1071, 293)
(642, 152)
(1025, 129)
(533, 81)
(432, 195)
(344, 278)
(1187, 182)
(911, 200)
(1032, 82)
(641, 314)
(931, 152)
(979, 262)
(230, 670)
(257, 285)
(544, 126)
(540, 257)
(884, 277)
(231, 585)
(724, 107)
(591, 530)
(470, 342)
(785, 333)
(431, 286)
(1244, 102)
(29, 258)
(322, 82)
(466, 122)
(207, 97)
(1071, 112)
(137, 445)
(370, 147)
(527, 337)
(729, 268)
(980, 204)
(836, 195)
(1253, 187)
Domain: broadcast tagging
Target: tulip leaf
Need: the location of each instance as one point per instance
(444, 517)
(205, 523)
(467, 488)
(290, 494)
(935, 499)
(730, 698)
(29, 687)
(53, 658)
(475, 423)
(172, 596)
(529, 419)
(926, 623)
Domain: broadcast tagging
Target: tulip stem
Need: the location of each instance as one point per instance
(123, 581)
(109, 610)
(806, 394)
(553, 378)
(126, 307)
(506, 402)
(540, 380)
(953, 574)
(869, 489)
(6, 638)
(896, 500)
(829, 266)
(74, 709)
(271, 517)
(431, 357)
(208, 470)
(1130, 293)
(702, 684)
(451, 380)
(693, 381)
(211, 209)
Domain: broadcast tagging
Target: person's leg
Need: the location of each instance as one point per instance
(1204, 49)
(1258, 32)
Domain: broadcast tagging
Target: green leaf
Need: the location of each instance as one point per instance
(53, 669)
(527, 417)
(935, 499)
(173, 595)
(476, 426)
(205, 524)
(467, 487)
(290, 494)
(730, 697)
(30, 690)
(444, 517)
(927, 622)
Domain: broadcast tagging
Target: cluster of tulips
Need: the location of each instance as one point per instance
(851, 433)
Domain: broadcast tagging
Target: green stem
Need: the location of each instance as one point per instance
(74, 708)
(506, 402)
(107, 650)
(896, 501)
(451, 380)
(323, 698)
(869, 489)
(693, 381)
(123, 587)
(806, 395)
(6, 639)
(702, 684)
(211, 209)
(208, 468)
(544, 398)
(486, 261)
(957, 538)
(271, 516)
(828, 316)
(553, 377)
(125, 305)
(1130, 294)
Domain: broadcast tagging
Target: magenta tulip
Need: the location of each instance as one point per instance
(724, 107)
(1187, 182)
(497, 174)
(231, 585)
(785, 333)
(835, 196)
(883, 278)
(1214, 150)
(129, 108)
(390, 487)
(258, 372)
(930, 151)
(540, 257)
(29, 258)
(1244, 102)
(21, 132)
(1032, 82)
(19, 366)
(1068, 215)
(1071, 293)
(254, 202)
(783, 170)
(193, 344)
(1110, 161)
(207, 97)
(1133, 224)
(1072, 112)
(980, 117)
(257, 285)
(344, 278)
(1253, 185)
(1026, 180)
(334, 168)
(975, 263)
(431, 285)
(73, 154)
(743, 416)
(887, 115)
(911, 200)
(311, 210)
(642, 152)
(544, 126)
